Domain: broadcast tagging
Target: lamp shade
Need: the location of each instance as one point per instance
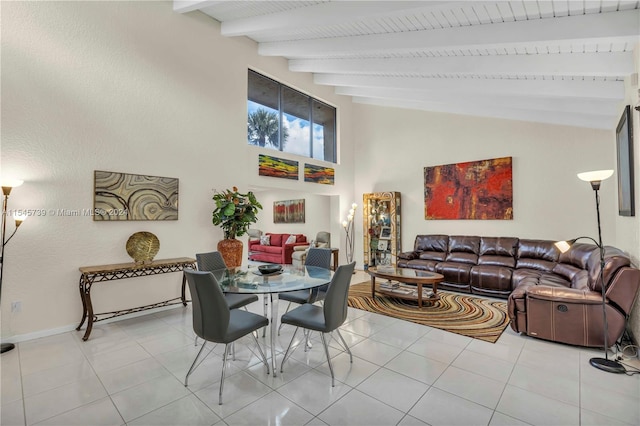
(11, 183)
(563, 246)
(595, 176)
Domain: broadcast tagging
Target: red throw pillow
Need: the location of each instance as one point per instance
(276, 239)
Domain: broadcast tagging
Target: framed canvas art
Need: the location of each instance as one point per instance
(289, 211)
(277, 167)
(319, 174)
(477, 190)
(124, 196)
(624, 144)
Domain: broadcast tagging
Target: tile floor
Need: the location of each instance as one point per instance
(131, 372)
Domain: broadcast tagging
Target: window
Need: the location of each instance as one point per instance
(287, 120)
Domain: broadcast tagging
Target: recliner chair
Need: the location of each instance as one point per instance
(323, 240)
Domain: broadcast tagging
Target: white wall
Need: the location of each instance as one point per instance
(549, 201)
(130, 87)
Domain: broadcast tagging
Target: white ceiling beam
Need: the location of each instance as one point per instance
(185, 6)
(549, 88)
(593, 28)
(332, 13)
(603, 122)
(604, 64)
(570, 105)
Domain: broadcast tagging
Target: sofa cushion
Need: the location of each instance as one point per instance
(465, 244)
(421, 264)
(498, 246)
(491, 260)
(579, 277)
(436, 243)
(578, 255)
(463, 249)
(455, 272)
(540, 255)
(433, 255)
(276, 239)
(494, 277)
(538, 277)
(270, 249)
(265, 240)
(462, 257)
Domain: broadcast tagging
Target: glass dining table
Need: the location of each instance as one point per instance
(252, 281)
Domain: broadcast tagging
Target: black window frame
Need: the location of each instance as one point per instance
(311, 101)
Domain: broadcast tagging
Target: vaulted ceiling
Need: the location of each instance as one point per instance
(550, 61)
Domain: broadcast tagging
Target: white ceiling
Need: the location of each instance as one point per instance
(549, 61)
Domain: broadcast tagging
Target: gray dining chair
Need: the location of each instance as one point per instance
(213, 261)
(320, 257)
(213, 321)
(326, 318)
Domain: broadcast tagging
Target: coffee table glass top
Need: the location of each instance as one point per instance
(290, 279)
(402, 272)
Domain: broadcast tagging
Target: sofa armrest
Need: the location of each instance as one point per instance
(287, 251)
(408, 255)
(563, 294)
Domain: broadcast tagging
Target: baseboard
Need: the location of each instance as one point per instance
(71, 327)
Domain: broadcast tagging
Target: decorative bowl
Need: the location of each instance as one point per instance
(143, 246)
(269, 269)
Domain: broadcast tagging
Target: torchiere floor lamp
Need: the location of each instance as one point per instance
(7, 186)
(604, 364)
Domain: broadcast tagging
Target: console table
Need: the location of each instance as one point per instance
(94, 274)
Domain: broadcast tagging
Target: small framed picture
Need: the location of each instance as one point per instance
(383, 245)
(385, 233)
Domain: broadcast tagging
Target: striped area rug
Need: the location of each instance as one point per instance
(458, 313)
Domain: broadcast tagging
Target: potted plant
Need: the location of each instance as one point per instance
(234, 213)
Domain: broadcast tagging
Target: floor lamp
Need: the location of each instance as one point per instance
(7, 186)
(348, 227)
(595, 177)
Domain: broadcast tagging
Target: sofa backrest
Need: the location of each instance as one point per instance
(573, 265)
(614, 259)
(279, 240)
(498, 251)
(541, 255)
(432, 247)
(463, 249)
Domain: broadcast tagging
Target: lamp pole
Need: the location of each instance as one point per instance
(6, 190)
(604, 364)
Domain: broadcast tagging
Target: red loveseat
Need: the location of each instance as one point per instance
(277, 251)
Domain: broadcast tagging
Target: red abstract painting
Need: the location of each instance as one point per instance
(290, 211)
(474, 190)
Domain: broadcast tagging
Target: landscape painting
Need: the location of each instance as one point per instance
(277, 167)
(478, 190)
(319, 174)
(124, 196)
(289, 211)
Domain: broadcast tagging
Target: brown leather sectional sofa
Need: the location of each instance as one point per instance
(551, 295)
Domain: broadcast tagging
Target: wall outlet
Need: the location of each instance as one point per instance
(16, 306)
